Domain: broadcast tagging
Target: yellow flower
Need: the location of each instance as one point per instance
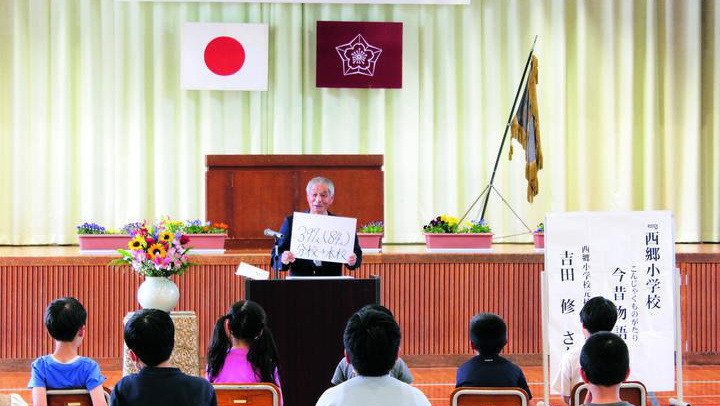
(137, 243)
(166, 236)
(452, 220)
(156, 249)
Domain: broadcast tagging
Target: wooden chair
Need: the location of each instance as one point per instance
(247, 394)
(633, 392)
(489, 397)
(72, 397)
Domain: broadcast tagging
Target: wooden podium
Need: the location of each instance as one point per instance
(307, 317)
(253, 192)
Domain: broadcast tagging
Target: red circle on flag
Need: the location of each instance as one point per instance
(224, 56)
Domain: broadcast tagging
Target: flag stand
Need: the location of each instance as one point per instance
(490, 186)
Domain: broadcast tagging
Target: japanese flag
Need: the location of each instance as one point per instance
(224, 56)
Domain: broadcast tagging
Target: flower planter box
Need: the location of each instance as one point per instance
(539, 240)
(207, 243)
(102, 243)
(370, 242)
(458, 241)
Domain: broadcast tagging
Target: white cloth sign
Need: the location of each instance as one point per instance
(322, 238)
(224, 56)
(629, 258)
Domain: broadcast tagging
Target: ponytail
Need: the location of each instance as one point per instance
(263, 356)
(218, 348)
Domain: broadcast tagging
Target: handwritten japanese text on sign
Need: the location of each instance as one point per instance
(322, 238)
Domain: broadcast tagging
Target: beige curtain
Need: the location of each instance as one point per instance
(94, 126)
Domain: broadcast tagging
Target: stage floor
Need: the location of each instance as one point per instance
(701, 388)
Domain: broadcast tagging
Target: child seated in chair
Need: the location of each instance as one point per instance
(64, 369)
(345, 370)
(150, 336)
(597, 314)
(604, 365)
(242, 348)
(488, 336)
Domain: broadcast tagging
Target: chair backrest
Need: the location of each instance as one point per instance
(633, 392)
(72, 397)
(489, 397)
(247, 394)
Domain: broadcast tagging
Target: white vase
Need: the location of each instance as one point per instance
(157, 292)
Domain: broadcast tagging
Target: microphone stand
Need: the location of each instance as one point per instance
(275, 263)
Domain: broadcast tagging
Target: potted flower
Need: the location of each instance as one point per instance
(157, 253)
(94, 238)
(205, 236)
(539, 236)
(444, 232)
(370, 236)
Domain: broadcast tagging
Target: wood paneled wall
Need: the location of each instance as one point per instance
(433, 302)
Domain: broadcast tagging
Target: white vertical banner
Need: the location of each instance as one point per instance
(629, 258)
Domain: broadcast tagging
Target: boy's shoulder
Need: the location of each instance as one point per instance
(77, 362)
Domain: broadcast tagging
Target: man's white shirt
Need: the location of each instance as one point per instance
(569, 373)
(370, 390)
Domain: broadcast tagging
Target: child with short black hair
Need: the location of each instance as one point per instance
(605, 364)
(488, 336)
(63, 369)
(372, 341)
(150, 336)
(597, 314)
(345, 370)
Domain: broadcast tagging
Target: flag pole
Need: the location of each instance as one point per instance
(507, 127)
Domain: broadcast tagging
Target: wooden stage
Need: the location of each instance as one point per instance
(433, 297)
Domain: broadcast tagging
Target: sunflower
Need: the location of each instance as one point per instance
(156, 249)
(137, 243)
(166, 236)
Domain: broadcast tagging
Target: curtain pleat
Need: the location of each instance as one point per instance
(94, 126)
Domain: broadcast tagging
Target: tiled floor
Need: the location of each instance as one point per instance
(702, 384)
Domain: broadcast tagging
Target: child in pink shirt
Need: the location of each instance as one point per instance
(242, 349)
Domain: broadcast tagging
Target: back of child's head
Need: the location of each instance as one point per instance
(377, 307)
(150, 334)
(64, 318)
(488, 333)
(598, 314)
(604, 359)
(247, 322)
(372, 341)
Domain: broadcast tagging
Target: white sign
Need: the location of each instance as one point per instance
(322, 238)
(629, 258)
(224, 56)
(251, 272)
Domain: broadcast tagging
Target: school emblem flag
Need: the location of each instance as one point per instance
(359, 54)
(526, 129)
(224, 56)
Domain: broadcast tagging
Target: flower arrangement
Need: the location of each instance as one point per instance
(156, 250)
(373, 227)
(450, 225)
(174, 226)
(90, 228)
(540, 228)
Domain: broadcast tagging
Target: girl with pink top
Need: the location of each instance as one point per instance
(242, 348)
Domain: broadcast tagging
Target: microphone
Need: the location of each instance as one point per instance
(271, 233)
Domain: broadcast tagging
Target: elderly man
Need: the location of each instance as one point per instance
(320, 193)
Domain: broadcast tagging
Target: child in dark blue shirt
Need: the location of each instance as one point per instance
(64, 368)
(150, 336)
(488, 336)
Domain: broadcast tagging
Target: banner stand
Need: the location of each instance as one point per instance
(678, 344)
(546, 348)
